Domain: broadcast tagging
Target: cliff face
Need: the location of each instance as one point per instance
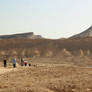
(86, 33)
(21, 35)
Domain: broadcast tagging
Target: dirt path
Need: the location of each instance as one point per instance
(4, 70)
(8, 69)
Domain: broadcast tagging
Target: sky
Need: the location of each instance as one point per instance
(50, 18)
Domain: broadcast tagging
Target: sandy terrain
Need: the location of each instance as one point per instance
(4, 70)
(46, 78)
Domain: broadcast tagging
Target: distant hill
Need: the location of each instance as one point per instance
(45, 47)
(21, 35)
(86, 33)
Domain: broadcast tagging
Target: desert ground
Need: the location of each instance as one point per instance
(46, 77)
(56, 65)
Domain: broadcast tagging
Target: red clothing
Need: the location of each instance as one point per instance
(25, 62)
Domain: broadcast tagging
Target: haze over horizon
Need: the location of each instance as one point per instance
(49, 18)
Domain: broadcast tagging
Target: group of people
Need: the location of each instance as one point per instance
(23, 62)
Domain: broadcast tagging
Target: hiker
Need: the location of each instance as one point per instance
(25, 63)
(14, 63)
(5, 63)
(29, 64)
(22, 62)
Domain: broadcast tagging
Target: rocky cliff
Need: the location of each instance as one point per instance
(86, 33)
(21, 35)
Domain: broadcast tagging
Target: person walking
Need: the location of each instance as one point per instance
(22, 62)
(14, 63)
(29, 64)
(5, 63)
(25, 63)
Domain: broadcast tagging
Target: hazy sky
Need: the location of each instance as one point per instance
(49, 18)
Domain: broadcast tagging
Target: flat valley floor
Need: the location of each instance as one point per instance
(42, 77)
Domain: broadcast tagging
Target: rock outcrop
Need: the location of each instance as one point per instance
(21, 35)
(86, 33)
